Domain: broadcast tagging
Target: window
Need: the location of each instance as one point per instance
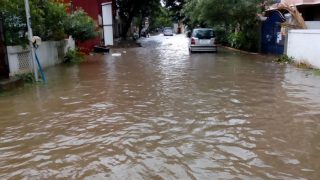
(203, 33)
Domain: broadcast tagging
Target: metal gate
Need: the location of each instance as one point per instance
(4, 70)
(271, 34)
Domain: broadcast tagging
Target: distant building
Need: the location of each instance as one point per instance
(178, 28)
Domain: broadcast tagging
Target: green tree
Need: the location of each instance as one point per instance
(13, 15)
(55, 16)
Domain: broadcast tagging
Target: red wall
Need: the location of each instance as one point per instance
(93, 8)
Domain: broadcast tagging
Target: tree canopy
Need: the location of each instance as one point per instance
(175, 7)
(160, 19)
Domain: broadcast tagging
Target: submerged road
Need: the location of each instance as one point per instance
(157, 112)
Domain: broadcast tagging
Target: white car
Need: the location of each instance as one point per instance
(168, 31)
(203, 39)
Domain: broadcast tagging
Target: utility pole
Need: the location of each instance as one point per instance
(30, 35)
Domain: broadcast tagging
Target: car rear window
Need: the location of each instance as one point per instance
(203, 33)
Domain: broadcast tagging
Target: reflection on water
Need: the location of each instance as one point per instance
(158, 112)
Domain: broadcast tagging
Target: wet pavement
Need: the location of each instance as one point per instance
(157, 112)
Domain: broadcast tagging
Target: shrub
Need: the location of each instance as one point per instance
(80, 26)
(241, 40)
(236, 40)
(73, 57)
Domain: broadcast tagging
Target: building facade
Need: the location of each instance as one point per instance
(94, 9)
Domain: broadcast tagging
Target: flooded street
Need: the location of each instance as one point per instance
(158, 112)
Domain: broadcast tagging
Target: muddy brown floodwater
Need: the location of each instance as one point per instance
(158, 112)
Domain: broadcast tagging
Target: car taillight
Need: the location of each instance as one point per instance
(193, 41)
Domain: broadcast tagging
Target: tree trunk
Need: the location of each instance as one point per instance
(127, 25)
(140, 27)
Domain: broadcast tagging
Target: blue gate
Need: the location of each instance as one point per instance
(271, 40)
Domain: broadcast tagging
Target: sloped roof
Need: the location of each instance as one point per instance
(301, 2)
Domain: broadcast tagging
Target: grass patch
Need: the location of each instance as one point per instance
(284, 59)
(317, 72)
(27, 78)
(3, 93)
(303, 65)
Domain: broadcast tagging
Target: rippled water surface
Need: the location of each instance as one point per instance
(158, 112)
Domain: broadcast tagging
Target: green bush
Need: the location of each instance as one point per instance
(236, 40)
(73, 57)
(245, 41)
(80, 26)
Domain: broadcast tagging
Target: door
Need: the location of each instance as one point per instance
(107, 23)
(4, 71)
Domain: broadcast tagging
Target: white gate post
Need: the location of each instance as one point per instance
(107, 23)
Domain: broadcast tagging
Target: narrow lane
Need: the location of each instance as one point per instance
(160, 112)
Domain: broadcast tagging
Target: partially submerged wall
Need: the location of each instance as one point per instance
(304, 46)
(49, 53)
